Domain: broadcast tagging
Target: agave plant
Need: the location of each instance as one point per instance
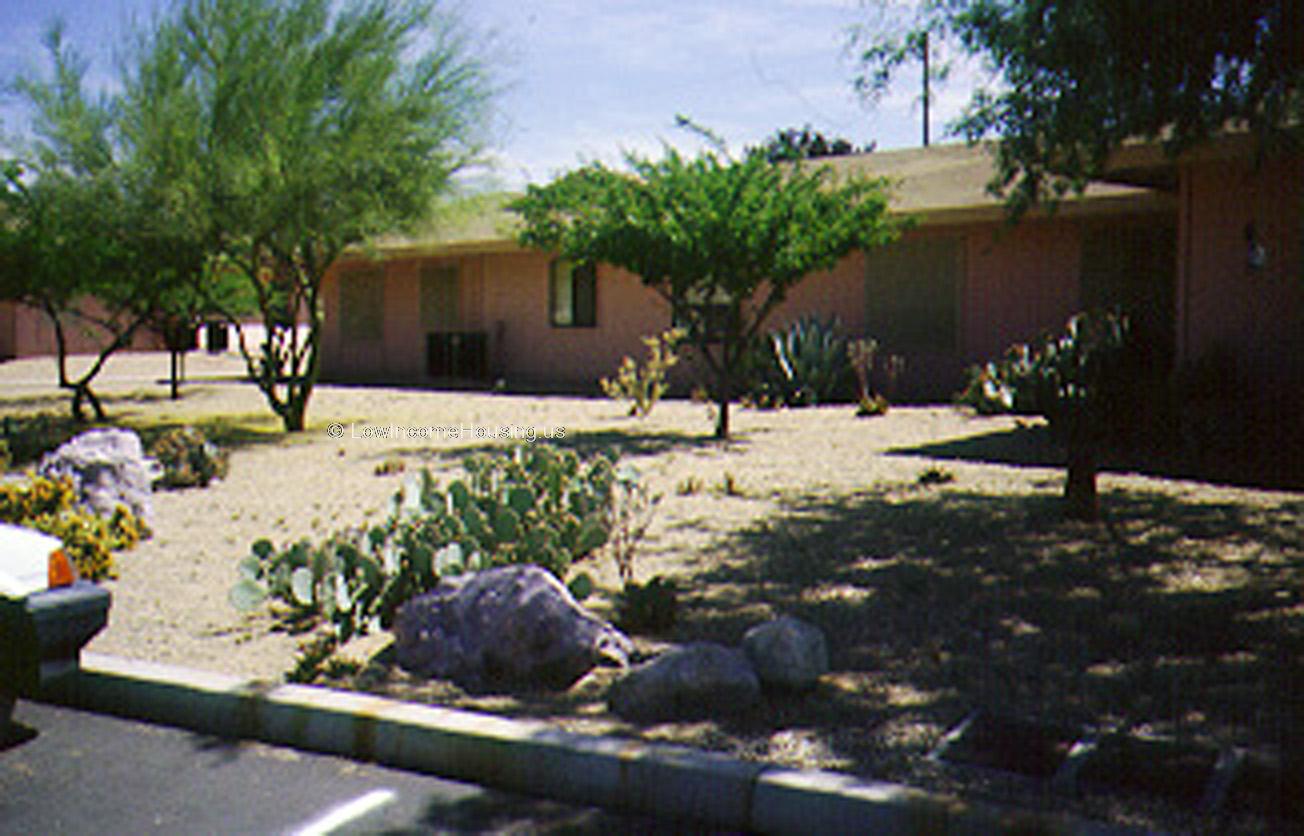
(811, 356)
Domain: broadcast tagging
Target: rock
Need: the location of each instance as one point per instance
(695, 680)
(108, 468)
(787, 653)
(510, 627)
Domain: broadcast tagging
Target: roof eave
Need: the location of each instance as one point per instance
(1110, 205)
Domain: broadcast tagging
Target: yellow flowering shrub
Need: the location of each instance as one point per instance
(89, 540)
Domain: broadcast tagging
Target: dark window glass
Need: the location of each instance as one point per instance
(572, 295)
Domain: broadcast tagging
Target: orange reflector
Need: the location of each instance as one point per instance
(60, 571)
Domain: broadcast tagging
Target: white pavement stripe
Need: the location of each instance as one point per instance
(347, 812)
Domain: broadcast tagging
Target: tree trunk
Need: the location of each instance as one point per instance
(78, 414)
(176, 389)
(1080, 499)
(722, 418)
(81, 393)
(292, 416)
(723, 392)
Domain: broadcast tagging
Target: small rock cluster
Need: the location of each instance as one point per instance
(704, 678)
(519, 627)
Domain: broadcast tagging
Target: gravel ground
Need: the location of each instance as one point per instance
(170, 598)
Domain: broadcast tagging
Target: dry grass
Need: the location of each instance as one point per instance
(1182, 614)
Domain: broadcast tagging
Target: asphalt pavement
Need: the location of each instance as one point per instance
(77, 772)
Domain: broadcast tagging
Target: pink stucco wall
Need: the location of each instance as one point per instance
(27, 332)
(1020, 282)
(1225, 305)
(534, 352)
(504, 295)
(1015, 282)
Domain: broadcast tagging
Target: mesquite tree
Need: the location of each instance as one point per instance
(722, 240)
(1074, 79)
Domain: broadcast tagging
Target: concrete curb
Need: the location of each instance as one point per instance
(531, 757)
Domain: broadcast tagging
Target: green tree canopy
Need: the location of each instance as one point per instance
(721, 240)
(284, 131)
(78, 243)
(1078, 77)
(792, 144)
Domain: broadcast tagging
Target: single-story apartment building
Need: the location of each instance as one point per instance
(26, 331)
(468, 303)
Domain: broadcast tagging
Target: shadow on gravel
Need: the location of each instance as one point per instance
(1274, 466)
(29, 435)
(1175, 618)
(584, 442)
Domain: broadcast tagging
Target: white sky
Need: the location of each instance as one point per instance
(587, 79)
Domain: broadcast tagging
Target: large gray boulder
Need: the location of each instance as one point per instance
(787, 653)
(108, 468)
(695, 680)
(510, 627)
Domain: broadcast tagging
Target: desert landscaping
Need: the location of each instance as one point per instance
(925, 544)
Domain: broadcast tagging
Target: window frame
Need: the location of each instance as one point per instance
(581, 316)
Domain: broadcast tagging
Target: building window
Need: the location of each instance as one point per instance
(572, 295)
(362, 304)
(441, 298)
(911, 295)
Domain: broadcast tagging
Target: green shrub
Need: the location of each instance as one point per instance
(648, 608)
(730, 486)
(188, 458)
(27, 438)
(689, 486)
(860, 356)
(89, 540)
(644, 385)
(528, 504)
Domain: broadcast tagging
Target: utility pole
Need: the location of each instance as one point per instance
(925, 80)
